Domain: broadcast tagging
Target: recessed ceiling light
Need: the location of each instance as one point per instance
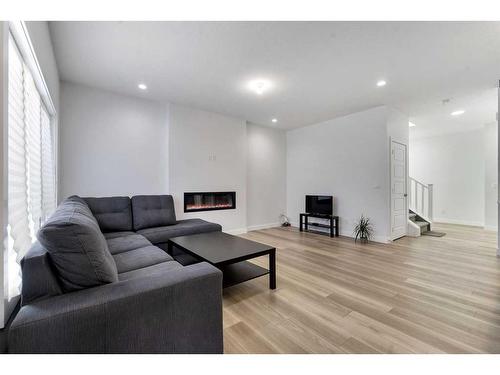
(274, 120)
(381, 83)
(142, 86)
(411, 124)
(457, 113)
(259, 86)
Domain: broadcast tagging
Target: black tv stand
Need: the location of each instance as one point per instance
(333, 226)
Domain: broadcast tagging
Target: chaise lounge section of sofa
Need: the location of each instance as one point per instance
(97, 282)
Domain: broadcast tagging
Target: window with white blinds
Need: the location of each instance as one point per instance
(31, 166)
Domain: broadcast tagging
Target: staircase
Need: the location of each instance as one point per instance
(420, 207)
(422, 223)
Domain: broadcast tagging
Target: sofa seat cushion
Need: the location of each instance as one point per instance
(77, 247)
(111, 235)
(156, 269)
(140, 258)
(126, 243)
(112, 213)
(182, 228)
(153, 211)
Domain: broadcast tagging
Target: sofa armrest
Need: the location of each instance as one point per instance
(176, 312)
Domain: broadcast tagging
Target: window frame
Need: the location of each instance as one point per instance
(20, 36)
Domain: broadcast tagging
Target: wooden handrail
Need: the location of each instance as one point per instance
(420, 182)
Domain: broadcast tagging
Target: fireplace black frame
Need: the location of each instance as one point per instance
(232, 193)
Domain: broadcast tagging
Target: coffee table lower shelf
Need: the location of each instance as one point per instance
(240, 272)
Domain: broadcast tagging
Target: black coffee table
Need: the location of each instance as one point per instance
(229, 254)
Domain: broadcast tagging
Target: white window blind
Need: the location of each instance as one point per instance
(32, 123)
(48, 166)
(18, 223)
(31, 167)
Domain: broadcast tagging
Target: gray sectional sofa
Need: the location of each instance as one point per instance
(99, 281)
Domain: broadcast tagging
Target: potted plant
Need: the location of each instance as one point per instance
(285, 222)
(363, 230)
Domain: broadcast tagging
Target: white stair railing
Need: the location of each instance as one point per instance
(420, 199)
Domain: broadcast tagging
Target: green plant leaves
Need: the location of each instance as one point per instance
(363, 229)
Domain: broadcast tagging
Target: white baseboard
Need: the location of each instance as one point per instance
(235, 232)
(458, 222)
(379, 239)
(493, 228)
(263, 226)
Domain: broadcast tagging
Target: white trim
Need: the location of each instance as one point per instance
(4, 84)
(238, 231)
(21, 36)
(492, 228)
(391, 139)
(263, 226)
(458, 222)
(498, 167)
(6, 306)
(235, 232)
(378, 239)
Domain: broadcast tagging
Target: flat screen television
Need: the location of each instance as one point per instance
(319, 204)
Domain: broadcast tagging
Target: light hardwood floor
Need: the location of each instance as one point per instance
(416, 295)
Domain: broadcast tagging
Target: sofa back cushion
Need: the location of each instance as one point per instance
(77, 247)
(113, 214)
(153, 211)
(38, 274)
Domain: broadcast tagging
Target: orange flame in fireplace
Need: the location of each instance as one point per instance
(206, 205)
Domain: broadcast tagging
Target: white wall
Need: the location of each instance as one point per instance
(490, 140)
(208, 153)
(118, 145)
(397, 126)
(111, 144)
(454, 163)
(348, 158)
(266, 176)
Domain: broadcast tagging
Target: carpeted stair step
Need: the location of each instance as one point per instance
(424, 226)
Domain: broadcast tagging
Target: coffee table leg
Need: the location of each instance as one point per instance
(272, 269)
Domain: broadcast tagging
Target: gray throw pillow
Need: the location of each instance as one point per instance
(77, 247)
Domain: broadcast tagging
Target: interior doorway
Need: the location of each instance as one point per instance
(399, 187)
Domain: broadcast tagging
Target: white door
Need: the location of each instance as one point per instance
(399, 207)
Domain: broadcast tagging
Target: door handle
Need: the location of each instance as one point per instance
(405, 195)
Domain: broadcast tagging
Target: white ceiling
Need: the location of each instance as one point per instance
(480, 109)
(320, 69)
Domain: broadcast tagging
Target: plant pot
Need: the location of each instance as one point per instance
(363, 239)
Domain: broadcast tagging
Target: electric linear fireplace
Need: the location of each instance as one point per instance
(209, 201)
